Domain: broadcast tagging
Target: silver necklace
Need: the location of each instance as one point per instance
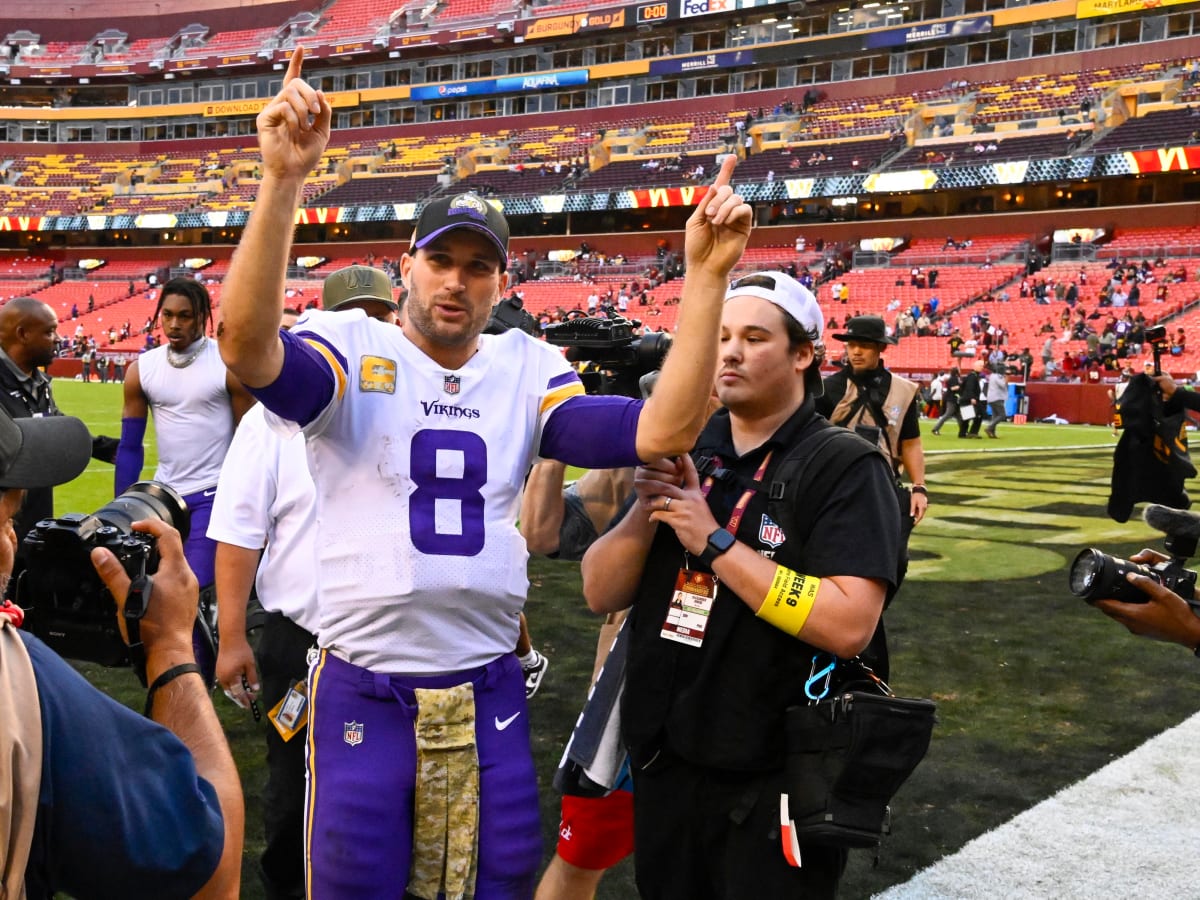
(183, 360)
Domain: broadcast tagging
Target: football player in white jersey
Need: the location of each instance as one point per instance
(197, 404)
(419, 439)
(266, 499)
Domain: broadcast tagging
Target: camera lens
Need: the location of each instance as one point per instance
(1097, 576)
(147, 500)
(1088, 566)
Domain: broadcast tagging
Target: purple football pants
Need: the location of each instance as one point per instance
(200, 551)
(362, 772)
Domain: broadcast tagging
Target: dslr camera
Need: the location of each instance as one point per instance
(1095, 575)
(620, 358)
(67, 604)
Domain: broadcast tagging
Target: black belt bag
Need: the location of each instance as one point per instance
(846, 758)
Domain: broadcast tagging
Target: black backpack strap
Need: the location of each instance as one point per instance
(795, 493)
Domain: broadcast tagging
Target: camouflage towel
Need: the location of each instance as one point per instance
(446, 815)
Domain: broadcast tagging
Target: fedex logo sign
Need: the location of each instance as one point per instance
(689, 8)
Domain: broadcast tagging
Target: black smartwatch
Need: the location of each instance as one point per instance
(719, 542)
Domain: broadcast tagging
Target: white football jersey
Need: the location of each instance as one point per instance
(419, 472)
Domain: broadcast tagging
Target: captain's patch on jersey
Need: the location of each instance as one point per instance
(375, 373)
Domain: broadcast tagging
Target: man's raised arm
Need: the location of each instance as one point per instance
(715, 239)
(292, 133)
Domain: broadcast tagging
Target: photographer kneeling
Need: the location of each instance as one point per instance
(95, 800)
(1165, 616)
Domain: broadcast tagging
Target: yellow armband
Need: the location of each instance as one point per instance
(789, 601)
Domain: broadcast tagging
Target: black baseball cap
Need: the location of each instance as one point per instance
(42, 452)
(466, 210)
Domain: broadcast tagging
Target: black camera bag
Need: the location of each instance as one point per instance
(846, 757)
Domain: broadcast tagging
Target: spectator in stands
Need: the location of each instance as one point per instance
(74, 311)
(1178, 342)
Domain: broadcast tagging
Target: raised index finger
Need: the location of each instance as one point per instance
(295, 64)
(725, 175)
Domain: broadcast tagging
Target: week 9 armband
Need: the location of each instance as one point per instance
(789, 600)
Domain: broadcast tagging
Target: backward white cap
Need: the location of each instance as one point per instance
(785, 292)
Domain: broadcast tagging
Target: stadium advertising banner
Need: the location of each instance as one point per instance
(533, 82)
(319, 215)
(564, 26)
(899, 182)
(1087, 9)
(1165, 159)
(471, 34)
(20, 223)
(723, 60)
(648, 198)
(239, 59)
(254, 107)
(899, 37)
(689, 8)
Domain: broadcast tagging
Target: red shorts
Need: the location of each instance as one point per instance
(596, 832)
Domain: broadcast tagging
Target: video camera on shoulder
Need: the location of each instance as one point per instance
(620, 357)
(1156, 337)
(67, 604)
(1095, 575)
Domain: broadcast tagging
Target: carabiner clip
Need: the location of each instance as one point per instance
(823, 675)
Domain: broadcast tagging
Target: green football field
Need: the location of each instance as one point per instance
(1035, 690)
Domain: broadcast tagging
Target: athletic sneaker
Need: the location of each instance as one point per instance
(534, 674)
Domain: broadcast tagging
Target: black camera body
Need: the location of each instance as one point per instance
(67, 605)
(620, 357)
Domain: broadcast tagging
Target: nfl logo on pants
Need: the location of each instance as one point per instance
(353, 733)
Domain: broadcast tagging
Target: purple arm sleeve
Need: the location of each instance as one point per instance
(305, 384)
(593, 432)
(131, 455)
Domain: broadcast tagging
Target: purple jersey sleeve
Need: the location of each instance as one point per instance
(306, 383)
(593, 432)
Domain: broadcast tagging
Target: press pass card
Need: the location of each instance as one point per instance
(687, 617)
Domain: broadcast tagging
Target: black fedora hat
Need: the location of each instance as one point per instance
(866, 328)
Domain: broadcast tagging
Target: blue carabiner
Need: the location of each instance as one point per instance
(815, 676)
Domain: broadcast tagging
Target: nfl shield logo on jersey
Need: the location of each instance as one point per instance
(769, 533)
(353, 733)
(451, 384)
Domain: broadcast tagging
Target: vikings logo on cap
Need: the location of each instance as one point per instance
(468, 203)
